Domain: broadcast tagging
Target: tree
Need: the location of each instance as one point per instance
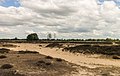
(32, 36)
(49, 36)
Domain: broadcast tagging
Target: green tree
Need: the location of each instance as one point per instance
(49, 36)
(32, 36)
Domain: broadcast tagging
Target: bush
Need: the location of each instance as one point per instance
(10, 73)
(52, 45)
(9, 45)
(49, 57)
(6, 66)
(116, 57)
(59, 60)
(3, 56)
(41, 61)
(48, 63)
(4, 50)
(40, 45)
(28, 52)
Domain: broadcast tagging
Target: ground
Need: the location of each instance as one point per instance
(75, 64)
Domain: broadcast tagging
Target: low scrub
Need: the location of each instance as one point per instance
(4, 50)
(3, 56)
(10, 73)
(116, 57)
(28, 52)
(49, 57)
(95, 49)
(9, 45)
(48, 63)
(59, 60)
(6, 66)
(54, 45)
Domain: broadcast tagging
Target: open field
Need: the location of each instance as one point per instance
(61, 59)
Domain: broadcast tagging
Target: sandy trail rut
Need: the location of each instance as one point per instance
(81, 60)
(87, 61)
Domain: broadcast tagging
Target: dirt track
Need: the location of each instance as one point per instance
(91, 62)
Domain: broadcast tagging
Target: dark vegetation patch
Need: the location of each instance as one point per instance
(54, 45)
(4, 50)
(6, 66)
(53, 66)
(3, 56)
(28, 52)
(8, 45)
(49, 57)
(40, 45)
(59, 60)
(8, 72)
(95, 49)
(116, 57)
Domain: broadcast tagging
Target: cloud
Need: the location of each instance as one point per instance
(67, 18)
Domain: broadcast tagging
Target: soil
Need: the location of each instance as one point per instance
(56, 62)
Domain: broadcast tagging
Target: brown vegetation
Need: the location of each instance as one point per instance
(95, 49)
(6, 66)
(4, 50)
(54, 45)
(28, 52)
(3, 56)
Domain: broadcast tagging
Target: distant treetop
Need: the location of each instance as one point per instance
(32, 36)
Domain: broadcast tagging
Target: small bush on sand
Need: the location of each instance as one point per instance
(48, 63)
(49, 57)
(40, 45)
(41, 61)
(59, 60)
(28, 52)
(53, 45)
(4, 50)
(6, 66)
(9, 73)
(116, 57)
(9, 45)
(3, 56)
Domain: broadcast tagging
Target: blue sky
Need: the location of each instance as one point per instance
(8, 3)
(16, 3)
(117, 2)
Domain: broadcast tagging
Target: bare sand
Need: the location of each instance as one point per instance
(88, 61)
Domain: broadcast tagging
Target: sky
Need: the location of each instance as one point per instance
(65, 18)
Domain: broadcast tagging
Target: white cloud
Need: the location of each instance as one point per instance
(68, 18)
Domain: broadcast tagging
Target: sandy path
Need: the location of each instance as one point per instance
(77, 59)
(82, 60)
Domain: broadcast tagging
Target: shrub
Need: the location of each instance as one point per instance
(28, 52)
(52, 45)
(41, 61)
(49, 57)
(9, 45)
(6, 66)
(4, 50)
(3, 56)
(48, 63)
(10, 73)
(59, 60)
(116, 57)
(40, 45)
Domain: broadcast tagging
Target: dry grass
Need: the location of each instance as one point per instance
(6, 66)
(28, 52)
(3, 56)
